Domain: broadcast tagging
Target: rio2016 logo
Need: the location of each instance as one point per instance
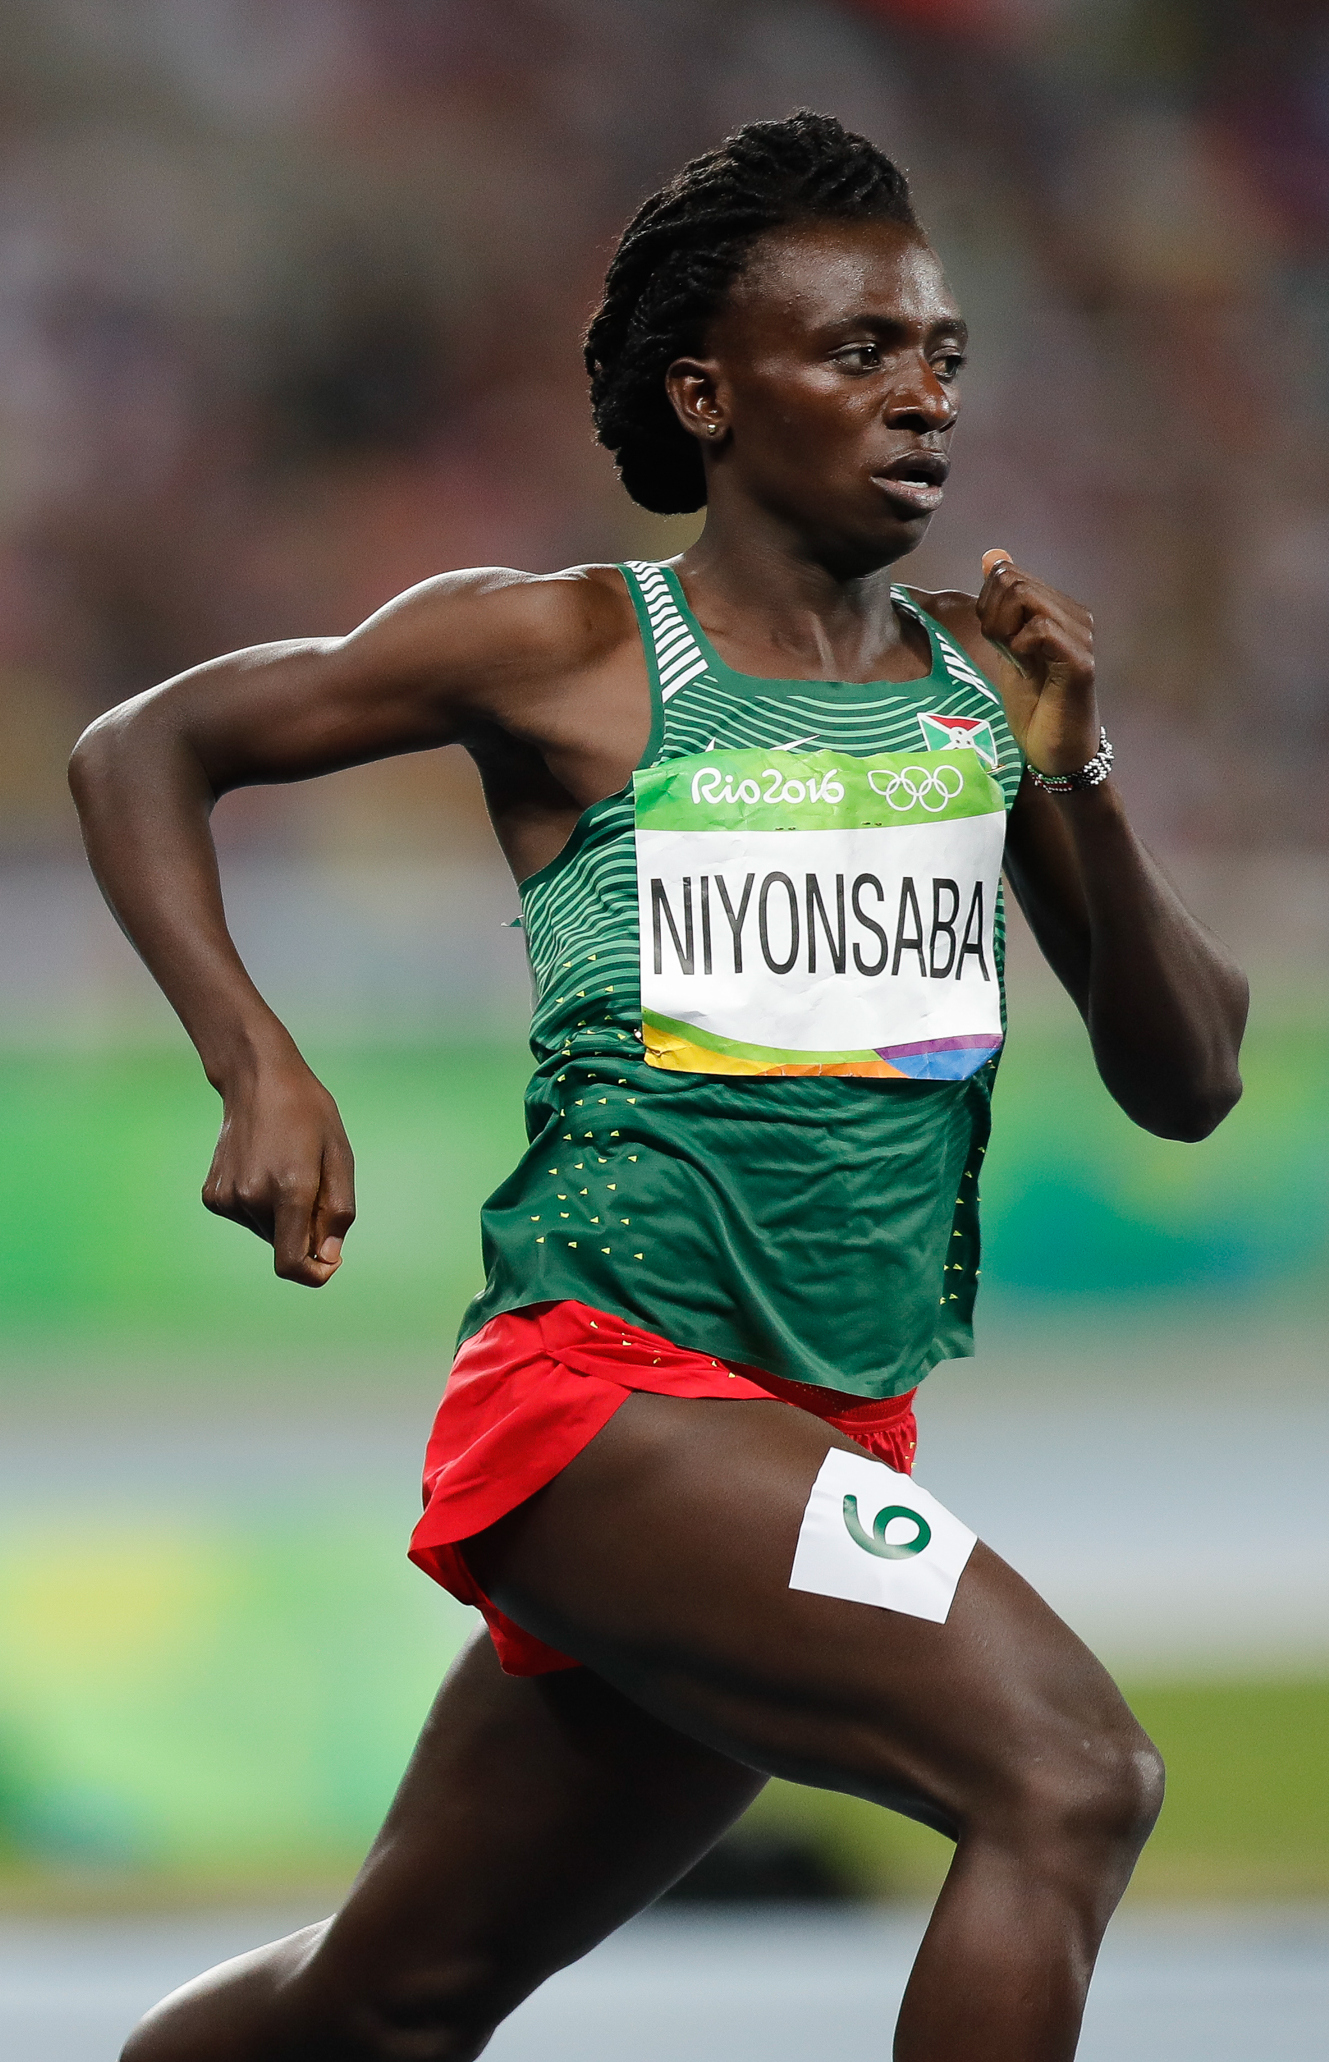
(932, 788)
(712, 784)
(876, 1542)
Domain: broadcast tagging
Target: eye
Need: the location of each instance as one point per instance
(949, 366)
(859, 357)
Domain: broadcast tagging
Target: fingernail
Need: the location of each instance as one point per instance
(330, 1251)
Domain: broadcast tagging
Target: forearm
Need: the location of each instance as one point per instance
(1164, 1004)
(144, 802)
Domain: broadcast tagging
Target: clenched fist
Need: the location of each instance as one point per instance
(1048, 686)
(283, 1168)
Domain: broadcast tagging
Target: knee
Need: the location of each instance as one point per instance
(161, 2038)
(141, 2047)
(169, 2035)
(1101, 1790)
(432, 2015)
(242, 2007)
(1126, 1792)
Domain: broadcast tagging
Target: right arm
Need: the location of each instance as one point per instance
(464, 655)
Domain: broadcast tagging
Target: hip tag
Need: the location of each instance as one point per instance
(819, 913)
(875, 1537)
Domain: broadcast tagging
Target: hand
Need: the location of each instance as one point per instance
(284, 1168)
(1049, 640)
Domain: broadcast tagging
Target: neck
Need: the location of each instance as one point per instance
(780, 608)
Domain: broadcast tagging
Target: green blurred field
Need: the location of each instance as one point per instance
(106, 1244)
(201, 1701)
(224, 1708)
(191, 1713)
(103, 1243)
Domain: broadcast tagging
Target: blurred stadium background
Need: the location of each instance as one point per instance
(290, 297)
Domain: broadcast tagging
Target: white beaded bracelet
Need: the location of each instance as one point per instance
(1091, 776)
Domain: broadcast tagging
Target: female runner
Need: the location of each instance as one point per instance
(757, 802)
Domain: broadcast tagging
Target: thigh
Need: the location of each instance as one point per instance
(536, 1815)
(662, 1555)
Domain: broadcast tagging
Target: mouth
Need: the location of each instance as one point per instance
(914, 483)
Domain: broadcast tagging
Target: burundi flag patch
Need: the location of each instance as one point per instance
(951, 733)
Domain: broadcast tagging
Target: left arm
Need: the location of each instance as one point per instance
(1164, 1003)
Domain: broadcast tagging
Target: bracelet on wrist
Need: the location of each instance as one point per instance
(1091, 776)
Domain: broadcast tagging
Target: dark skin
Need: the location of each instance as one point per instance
(537, 1814)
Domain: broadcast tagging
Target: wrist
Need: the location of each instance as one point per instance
(235, 1057)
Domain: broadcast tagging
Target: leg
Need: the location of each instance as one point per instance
(661, 1557)
(537, 1815)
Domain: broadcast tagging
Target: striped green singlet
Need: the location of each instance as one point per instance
(820, 1224)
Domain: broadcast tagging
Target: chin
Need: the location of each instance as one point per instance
(874, 546)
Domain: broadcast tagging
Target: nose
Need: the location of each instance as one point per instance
(921, 402)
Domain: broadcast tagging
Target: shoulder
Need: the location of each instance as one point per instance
(957, 612)
(495, 623)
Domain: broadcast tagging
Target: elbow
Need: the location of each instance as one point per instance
(1189, 1119)
(114, 749)
(1215, 1089)
(88, 762)
(1182, 1087)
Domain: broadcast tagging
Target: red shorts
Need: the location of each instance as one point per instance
(532, 1388)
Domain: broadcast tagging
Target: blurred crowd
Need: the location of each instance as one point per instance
(291, 294)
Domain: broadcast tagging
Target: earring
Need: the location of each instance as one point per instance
(712, 429)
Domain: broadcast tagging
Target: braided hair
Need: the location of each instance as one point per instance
(677, 259)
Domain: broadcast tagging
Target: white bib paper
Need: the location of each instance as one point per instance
(820, 913)
(874, 1537)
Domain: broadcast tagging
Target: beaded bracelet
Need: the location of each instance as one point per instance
(1091, 776)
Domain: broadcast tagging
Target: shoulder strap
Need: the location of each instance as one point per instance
(678, 657)
(957, 663)
(904, 600)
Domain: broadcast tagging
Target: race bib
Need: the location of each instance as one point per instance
(875, 1537)
(818, 913)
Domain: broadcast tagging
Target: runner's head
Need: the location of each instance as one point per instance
(775, 323)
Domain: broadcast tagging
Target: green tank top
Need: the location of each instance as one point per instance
(768, 1013)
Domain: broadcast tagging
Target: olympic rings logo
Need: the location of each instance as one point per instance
(918, 787)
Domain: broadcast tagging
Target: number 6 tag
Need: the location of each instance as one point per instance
(874, 1537)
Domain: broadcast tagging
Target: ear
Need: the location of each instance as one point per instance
(698, 399)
